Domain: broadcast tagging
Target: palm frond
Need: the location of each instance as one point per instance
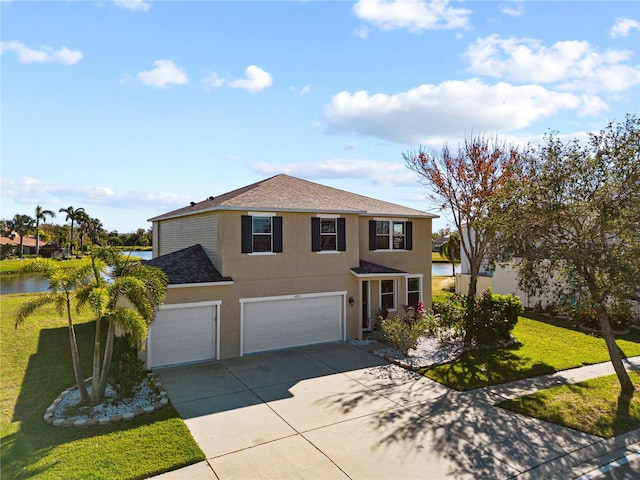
(29, 307)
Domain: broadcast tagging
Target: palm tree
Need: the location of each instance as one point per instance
(94, 229)
(451, 250)
(72, 214)
(83, 227)
(64, 284)
(129, 301)
(41, 214)
(21, 224)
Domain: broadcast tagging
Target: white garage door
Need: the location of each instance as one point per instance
(183, 333)
(283, 322)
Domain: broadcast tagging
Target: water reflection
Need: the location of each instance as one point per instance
(13, 283)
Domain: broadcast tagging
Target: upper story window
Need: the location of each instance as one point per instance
(328, 234)
(390, 235)
(262, 238)
(261, 233)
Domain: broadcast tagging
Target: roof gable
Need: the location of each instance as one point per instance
(286, 193)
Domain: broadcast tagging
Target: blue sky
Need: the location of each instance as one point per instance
(132, 108)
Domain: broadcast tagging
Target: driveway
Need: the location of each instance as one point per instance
(338, 412)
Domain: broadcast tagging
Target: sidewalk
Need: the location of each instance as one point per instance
(581, 462)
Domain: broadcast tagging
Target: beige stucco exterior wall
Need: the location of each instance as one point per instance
(297, 270)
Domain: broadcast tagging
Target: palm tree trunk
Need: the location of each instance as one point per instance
(37, 238)
(95, 381)
(75, 356)
(106, 362)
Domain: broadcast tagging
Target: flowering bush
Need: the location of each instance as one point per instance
(404, 332)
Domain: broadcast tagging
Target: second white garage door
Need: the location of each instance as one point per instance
(281, 322)
(183, 333)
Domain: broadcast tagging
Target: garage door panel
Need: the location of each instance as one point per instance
(291, 322)
(181, 335)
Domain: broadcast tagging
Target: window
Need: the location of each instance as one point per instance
(328, 234)
(388, 295)
(261, 233)
(398, 235)
(413, 291)
(390, 235)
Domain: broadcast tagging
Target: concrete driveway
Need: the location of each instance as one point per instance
(337, 412)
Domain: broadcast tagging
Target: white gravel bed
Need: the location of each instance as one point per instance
(145, 397)
(428, 352)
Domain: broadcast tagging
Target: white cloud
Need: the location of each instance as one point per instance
(413, 15)
(133, 5)
(28, 191)
(165, 73)
(361, 32)
(44, 55)
(377, 173)
(431, 113)
(513, 9)
(572, 65)
(256, 80)
(623, 27)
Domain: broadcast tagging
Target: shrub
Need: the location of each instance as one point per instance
(448, 318)
(404, 332)
(494, 316)
(127, 370)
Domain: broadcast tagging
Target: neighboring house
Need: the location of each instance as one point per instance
(28, 243)
(281, 263)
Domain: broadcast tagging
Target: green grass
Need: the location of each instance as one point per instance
(542, 348)
(13, 265)
(594, 406)
(35, 368)
(440, 286)
(437, 258)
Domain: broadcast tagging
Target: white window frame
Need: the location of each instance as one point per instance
(394, 293)
(261, 215)
(334, 234)
(390, 236)
(419, 291)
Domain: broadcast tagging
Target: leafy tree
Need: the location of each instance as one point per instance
(73, 214)
(576, 213)
(451, 250)
(95, 226)
(21, 224)
(41, 215)
(468, 185)
(64, 283)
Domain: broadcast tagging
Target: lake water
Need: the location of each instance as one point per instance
(23, 284)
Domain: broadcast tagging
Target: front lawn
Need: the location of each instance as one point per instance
(542, 348)
(594, 406)
(35, 368)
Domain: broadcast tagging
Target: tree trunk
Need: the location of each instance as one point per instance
(106, 362)
(95, 381)
(453, 266)
(37, 239)
(614, 352)
(75, 357)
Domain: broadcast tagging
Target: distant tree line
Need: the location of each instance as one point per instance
(77, 236)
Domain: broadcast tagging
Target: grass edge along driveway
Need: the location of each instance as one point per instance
(543, 348)
(35, 366)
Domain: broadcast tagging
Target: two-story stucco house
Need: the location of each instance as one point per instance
(281, 263)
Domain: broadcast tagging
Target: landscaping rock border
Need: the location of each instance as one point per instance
(80, 421)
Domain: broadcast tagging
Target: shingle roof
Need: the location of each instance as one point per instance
(189, 265)
(368, 268)
(286, 193)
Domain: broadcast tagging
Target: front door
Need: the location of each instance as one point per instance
(366, 323)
